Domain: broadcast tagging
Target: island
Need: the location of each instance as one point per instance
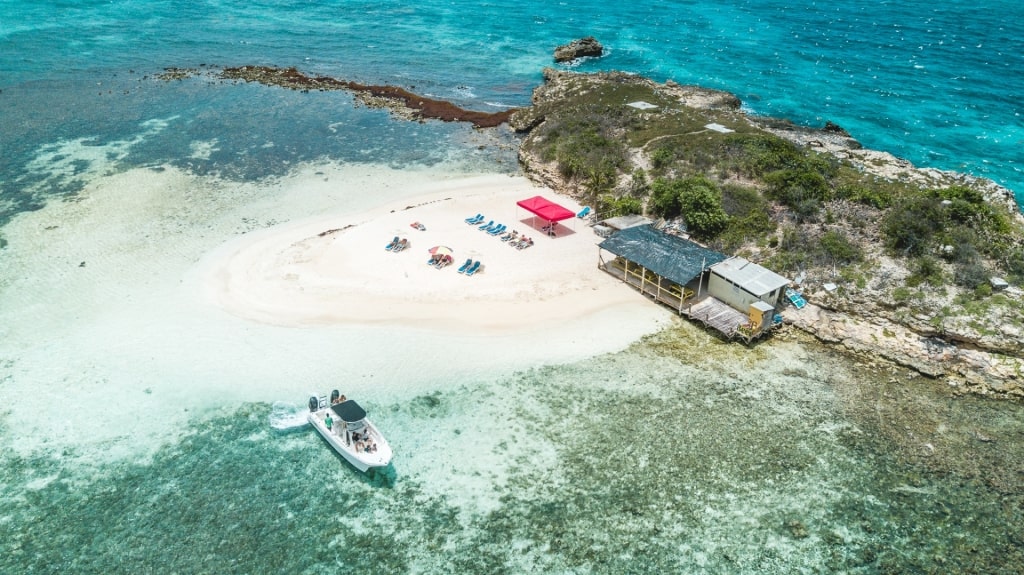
(894, 262)
(918, 266)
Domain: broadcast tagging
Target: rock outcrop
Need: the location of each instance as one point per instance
(581, 48)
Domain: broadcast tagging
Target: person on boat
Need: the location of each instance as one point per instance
(328, 421)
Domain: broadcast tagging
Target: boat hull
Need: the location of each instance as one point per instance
(341, 443)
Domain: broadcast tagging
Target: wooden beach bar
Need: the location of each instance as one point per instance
(735, 297)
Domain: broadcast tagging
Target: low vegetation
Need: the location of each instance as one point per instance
(749, 190)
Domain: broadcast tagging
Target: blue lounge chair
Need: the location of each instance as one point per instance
(465, 266)
(392, 245)
(473, 268)
(487, 225)
(795, 297)
(475, 219)
(498, 230)
(491, 227)
(584, 212)
(401, 245)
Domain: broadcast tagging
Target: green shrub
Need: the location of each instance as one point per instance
(662, 158)
(839, 248)
(970, 274)
(901, 294)
(926, 269)
(910, 226)
(874, 196)
(665, 197)
(701, 205)
(612, 206)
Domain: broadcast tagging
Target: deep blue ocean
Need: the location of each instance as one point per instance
(936, 83)
(678, 454)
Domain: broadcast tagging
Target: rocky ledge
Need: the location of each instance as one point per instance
(582, 48)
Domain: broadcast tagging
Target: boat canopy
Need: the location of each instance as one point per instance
(349, 411)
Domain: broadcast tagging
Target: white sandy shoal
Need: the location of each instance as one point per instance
(336, 268)
(139, 298)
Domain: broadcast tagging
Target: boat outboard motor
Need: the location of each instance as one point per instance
(314, 403)
(335, 394)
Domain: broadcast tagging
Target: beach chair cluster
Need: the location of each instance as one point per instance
(521, 243)
(440, 262)
(396, 245)
(510, 236)
(490, 227)
(470, 267)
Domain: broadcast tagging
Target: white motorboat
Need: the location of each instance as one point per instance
(343, 424)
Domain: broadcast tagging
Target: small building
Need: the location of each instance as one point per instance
(732, 295)
(625, 222)
(607, 227)
(740, 283)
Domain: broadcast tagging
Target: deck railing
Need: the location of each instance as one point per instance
(733, 325)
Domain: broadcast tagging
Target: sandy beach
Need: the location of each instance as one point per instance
(164, 292)
(336, 268)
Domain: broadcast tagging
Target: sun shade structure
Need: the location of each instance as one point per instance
(546, 209)
(349, 411)
(668, 256)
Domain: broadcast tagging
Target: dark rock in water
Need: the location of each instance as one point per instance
(834, 128)
(796, 529)
(588, 46)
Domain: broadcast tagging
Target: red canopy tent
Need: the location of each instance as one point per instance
(546, 209)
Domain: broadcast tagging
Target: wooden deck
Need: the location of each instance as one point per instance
(709, 311)
(719, 315)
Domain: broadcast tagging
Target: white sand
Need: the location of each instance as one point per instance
(298, 274)
(198, 294)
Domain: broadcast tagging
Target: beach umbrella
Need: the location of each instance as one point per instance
(440, 251)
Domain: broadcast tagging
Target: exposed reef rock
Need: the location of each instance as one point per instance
(584, 47)
(399, 101)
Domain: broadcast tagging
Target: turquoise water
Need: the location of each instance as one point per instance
(682, 455)
(938, 84)
(678, 455)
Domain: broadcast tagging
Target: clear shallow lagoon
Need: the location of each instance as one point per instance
(678, 454)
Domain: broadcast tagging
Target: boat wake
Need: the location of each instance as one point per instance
(287, 416)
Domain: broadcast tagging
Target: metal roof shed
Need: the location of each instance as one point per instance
(755, 279)
(740, 283)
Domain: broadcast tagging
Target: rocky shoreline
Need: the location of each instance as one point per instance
(980, 354)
